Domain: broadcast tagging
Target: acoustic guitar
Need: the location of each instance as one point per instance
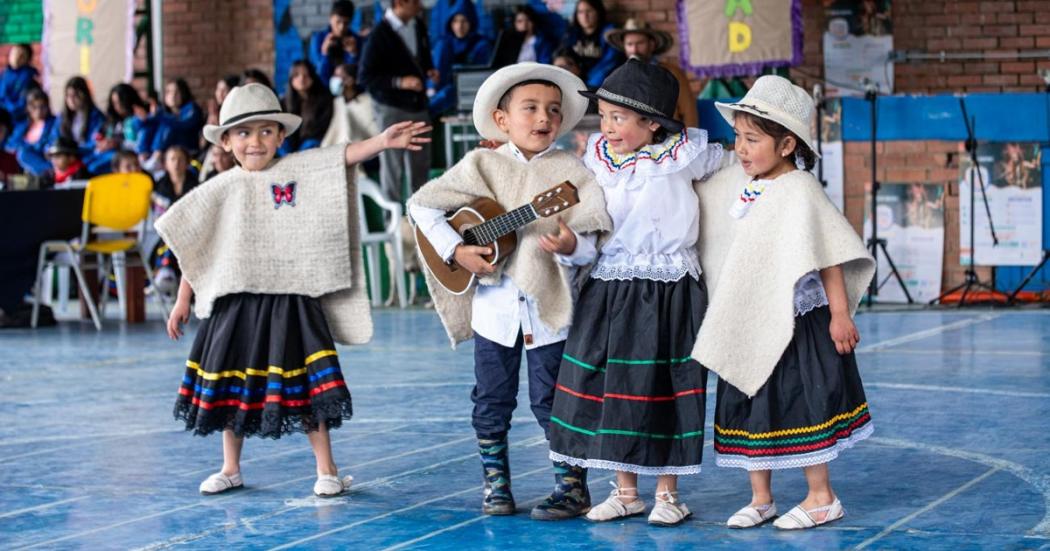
(485, 222)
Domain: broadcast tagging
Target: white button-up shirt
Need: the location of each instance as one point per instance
(501, 312)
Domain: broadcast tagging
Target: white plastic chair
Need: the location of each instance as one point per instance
(372, 241)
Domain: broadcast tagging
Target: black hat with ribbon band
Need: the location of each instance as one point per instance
(251, 102)
(646, 89)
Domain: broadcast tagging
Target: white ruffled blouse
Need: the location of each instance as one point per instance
(650, 198)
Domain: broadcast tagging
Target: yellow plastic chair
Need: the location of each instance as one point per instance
(116, 207)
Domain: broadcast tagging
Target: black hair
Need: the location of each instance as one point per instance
(257, 76)
(530, 13)
(504, 100)
(603, 16)
(342, 8)
(36, 94)
(778, 132)
(568, 52)
(27, 48)
(119, 156)
(232, 80)
(128, 97)
(315, 109)
(185, 94)
(176, 147)
(80, 86)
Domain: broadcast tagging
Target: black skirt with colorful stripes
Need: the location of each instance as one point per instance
(811, 408)
(629, 397)
(263, 365)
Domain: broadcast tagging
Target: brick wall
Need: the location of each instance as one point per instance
(207, 39)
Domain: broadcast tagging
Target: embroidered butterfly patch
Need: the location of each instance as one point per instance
(283, 194)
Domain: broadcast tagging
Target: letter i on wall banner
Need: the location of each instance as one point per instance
(94, 39)
(728, 38)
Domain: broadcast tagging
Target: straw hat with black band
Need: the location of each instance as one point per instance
(251, 102)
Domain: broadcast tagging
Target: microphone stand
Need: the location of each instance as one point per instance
(875, 243)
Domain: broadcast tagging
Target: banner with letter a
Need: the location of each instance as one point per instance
(727, 38)
(94, 39)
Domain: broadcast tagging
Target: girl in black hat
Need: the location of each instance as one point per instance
(629, 398)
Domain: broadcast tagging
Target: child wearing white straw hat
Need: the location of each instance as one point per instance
(786, 272)
(270, 248)
(525, 303)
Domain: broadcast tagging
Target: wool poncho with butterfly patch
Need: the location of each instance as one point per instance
(289, 229)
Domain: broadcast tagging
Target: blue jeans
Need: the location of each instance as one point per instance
(495, 391)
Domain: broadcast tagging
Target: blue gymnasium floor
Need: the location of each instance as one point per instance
(90, 457)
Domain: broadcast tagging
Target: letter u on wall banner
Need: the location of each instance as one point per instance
(727, 38)
(91, 38)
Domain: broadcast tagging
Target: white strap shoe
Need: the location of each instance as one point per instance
(219, 483)
(668, 511)
(614, 508)
(330, 486)
(798, 518)
(750, 516)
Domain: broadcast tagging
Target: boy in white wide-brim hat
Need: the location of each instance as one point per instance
(270, 248)
(785, 272)
(526, 301)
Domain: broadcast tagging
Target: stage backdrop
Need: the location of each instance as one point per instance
(724, 38)
(91, 38)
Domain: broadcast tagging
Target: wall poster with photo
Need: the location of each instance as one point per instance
(1012, 174)
(857, 43)
(911, 220)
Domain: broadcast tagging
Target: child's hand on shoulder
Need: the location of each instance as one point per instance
(563, 242)
(844, 333)
(406, 135)
(472, 259)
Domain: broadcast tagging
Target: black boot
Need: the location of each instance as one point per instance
(495, 466)
(570, 498)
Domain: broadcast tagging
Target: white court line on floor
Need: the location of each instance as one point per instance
(83, 436)
(17, 512)
(929, 507)
(300, 449)
(919, 335)
(186, 538)
(78, 445)
(220, 499)
(417, 505)
(1040, 482)
(963, 390)
(528, 506)
(959, 351)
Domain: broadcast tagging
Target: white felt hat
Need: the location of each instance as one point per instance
(573, 105)
(251, 102)
(776, 99)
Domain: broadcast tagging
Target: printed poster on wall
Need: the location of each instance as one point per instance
(857, 42)
(911, 220)
(726, 38)
(1012, 174)
(93, 39)
(831, 153)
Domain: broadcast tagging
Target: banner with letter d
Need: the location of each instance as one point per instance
(726, 38)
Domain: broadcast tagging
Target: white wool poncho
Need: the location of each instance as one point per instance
(751, 266)
(231, 235)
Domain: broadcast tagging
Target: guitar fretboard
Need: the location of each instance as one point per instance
(491, 230)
